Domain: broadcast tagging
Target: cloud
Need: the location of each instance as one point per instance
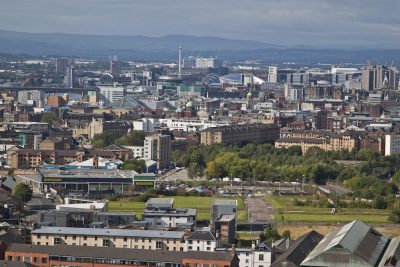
(318, 22)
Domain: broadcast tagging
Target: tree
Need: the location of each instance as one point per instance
(134, 164)
(49, 117)
(270, 234)
(22, 192)
(102, 140)
(133, 138)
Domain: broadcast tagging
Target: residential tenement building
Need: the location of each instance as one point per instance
(61, 255)
(103, 237)
(241, 134)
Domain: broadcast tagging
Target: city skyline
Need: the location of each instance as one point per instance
(342, 23)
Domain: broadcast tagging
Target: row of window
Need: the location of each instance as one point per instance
(28, 259)
(113, 261)
(58, 239)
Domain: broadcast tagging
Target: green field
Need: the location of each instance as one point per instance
(202, 204)
(285, 211)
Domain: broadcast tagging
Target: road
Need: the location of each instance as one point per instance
(260, 211)
(176, 175)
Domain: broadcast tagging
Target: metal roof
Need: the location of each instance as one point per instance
(108, 232)
(356, 238)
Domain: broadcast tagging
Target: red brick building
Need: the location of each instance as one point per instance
(61, 255)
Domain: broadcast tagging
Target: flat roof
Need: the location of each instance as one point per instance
(232, 202)
(86, 173)
(108, 232)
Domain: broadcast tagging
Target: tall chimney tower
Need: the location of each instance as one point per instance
(180, 63)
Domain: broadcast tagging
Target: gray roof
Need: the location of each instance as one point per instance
(392, 254)
(121, 253)
(109, 232)
(356, 238)
(201, 235)
(227, 202)
(10, 183)
(14, 264)
(164, 201)
(226, 218)
(298, 250)
(181, 212)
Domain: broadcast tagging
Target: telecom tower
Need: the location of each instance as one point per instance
(180, 63)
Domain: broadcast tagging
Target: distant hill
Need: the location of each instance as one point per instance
(76, 44)
(166, 48)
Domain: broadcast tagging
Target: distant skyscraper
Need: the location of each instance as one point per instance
(272, 74)
(378, 77)
(206, 63)
(61, 65)
(115, 66)
(180, 63)
(69, 78)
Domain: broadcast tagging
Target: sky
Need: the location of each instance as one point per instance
(353, 23)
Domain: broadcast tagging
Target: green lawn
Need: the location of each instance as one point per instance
(202, 204)
(284, 210)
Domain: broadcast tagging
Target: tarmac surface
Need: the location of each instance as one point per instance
(259, 210)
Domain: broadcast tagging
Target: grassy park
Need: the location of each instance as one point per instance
(202, 204)
(286, 212)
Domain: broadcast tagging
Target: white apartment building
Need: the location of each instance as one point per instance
(256, 256)
(205, 63)
(189, 125)
(111, 93)
(201, 240)
(392, 145)
(103, 237)
(272, 74)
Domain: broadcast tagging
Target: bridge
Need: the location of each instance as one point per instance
(47, 89)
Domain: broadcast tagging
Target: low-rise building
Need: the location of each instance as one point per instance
(201, 240)
(61, 255)
(240, 134)
(103, 237)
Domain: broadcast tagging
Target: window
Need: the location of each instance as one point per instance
(190, 241)
(18, 258)
(95, 238)
(208, 248)
(106, 243)
(125, 239)
(206, 265)
(159, 245)
(10, 258)
(35, 259)
(261, 257)
(208, 242)
(125, 246)
(84, 237)
(44, 260)
(190, 247)
(74, 237)
(196, 265)
(57, 241)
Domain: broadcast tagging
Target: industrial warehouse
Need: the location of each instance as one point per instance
(88, 181)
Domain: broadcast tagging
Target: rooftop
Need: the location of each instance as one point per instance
(108, 232)
(226, 202)
(120, 253)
